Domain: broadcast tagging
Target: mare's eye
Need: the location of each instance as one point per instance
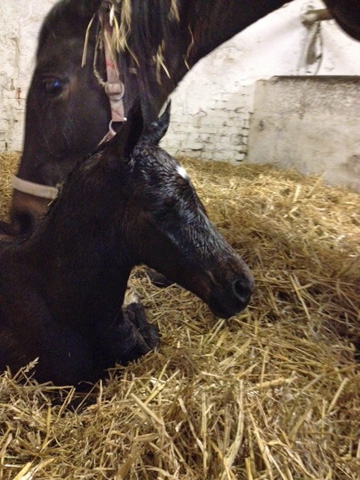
(53, 86)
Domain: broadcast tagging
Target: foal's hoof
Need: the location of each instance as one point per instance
(158, 279)
(150, 333)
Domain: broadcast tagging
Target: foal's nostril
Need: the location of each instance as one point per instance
(243, 289)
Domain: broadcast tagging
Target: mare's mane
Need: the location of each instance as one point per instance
(155, 24)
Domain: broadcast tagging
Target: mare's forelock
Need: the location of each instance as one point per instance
(68, 18)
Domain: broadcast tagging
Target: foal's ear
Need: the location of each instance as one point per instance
(154, 132)
(133, 130)
(130, 134)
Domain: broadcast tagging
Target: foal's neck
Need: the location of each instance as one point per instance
(80, 253)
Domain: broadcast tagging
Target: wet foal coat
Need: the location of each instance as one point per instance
(62, 288)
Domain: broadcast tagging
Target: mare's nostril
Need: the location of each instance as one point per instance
(23, 222)
(243, 289)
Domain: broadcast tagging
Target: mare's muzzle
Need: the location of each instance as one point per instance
(29, 201)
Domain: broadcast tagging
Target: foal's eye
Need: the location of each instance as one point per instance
(53, 86)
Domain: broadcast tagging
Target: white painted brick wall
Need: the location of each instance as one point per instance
(212, 105)
(19, 24)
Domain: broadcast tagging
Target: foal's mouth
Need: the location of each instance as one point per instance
(226, 308)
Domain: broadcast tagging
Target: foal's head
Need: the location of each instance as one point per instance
(163, 223)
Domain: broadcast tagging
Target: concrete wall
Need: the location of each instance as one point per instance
(213, 104)
(311, 124)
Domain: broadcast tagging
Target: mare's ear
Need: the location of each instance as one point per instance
(154, 132)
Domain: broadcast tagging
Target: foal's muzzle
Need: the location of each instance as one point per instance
(243, 288)
(233, 296)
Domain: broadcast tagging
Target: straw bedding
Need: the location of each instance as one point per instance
(273, 393)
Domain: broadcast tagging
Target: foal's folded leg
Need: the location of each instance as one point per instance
(135, 312)
(126, 339)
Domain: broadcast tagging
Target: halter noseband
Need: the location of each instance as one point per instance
(114, 89)
(35, 189)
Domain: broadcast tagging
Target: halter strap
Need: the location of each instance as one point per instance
(114, 87)
(36, 189)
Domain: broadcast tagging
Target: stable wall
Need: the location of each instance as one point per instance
(19, 25)
(213, 105)
(310, 124)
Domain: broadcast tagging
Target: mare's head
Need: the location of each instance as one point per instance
(161, 221)
(67, 111)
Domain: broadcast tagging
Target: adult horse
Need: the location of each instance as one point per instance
(68, 109)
